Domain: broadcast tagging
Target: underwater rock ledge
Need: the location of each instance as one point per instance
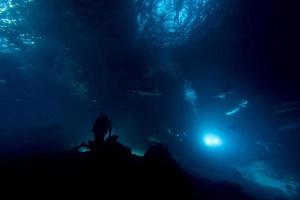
(112, 173)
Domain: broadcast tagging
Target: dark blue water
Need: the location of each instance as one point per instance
(215, 81)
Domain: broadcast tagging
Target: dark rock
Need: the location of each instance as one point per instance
(111, 173)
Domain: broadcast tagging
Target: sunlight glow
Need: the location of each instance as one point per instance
(212, 140)
(171, 22)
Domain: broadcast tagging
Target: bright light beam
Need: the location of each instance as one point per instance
(212, 140)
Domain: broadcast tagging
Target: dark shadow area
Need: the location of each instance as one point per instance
(108, 170)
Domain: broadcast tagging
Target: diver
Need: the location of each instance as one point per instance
(101, 128)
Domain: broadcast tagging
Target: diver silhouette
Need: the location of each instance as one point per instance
(101, 128)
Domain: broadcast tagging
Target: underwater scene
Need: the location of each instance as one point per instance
(215, 82)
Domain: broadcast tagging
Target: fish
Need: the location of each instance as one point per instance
(286, 110)
(288, 107)
(224, 95)
(225, 92)
(221, 95)
(243, 104)
(290, 103)
(235, 110)
(144, 91)
(291, 126)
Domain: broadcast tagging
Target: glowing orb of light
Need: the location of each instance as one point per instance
(212, 140)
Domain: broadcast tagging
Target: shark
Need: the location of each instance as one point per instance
(235, 110)
(143, 91)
